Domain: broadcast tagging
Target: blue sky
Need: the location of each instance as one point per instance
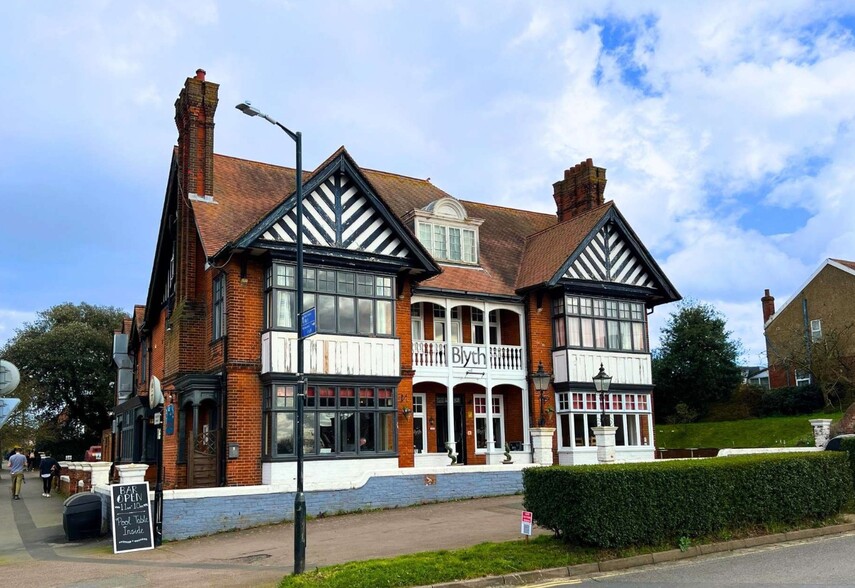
(727, 128)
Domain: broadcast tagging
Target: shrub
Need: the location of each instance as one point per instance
(643, 503)
(791, 401)
(848, 446)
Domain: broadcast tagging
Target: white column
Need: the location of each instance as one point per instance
(491, 441)
(450, 444)
(541, 440)
(524, 390)
(821, 431)
(605, 443)
(132, 473)
(101, 473)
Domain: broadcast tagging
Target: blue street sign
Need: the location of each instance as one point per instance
(308, 323)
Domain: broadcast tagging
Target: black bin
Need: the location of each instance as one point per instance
(81, 516)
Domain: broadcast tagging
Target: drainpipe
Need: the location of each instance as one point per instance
(224, 384)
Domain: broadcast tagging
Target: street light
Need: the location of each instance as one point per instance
(602, 381)
(299, 498)
(541, 383)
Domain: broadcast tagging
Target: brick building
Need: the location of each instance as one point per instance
(432, 313)
(814, 331)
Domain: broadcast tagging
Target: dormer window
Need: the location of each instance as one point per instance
(445, 230)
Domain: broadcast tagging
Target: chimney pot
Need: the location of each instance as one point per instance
(768, 303)
(200, 74)
(581, 189)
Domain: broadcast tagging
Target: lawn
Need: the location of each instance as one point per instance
(787, 431)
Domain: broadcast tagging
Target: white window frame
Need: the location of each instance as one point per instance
(455, 336)
(816, 330)
(429, 231)
(497, 414)
(417, 323)
(802, 378)
(633, 408)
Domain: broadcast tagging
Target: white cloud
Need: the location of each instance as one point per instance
(11, 320)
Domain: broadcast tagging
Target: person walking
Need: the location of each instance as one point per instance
(47, 468)
(17, 465)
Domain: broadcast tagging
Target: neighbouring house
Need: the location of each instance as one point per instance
(811, 338)
(755, 375)
(432, 313)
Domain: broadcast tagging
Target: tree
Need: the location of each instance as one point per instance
(66, 366)
(827, 359)
(696, 363)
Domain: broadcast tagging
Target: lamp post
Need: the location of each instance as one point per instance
(299, 497)
(602, 381)
(541, 383)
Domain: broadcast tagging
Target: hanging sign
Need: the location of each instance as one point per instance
(132, 528)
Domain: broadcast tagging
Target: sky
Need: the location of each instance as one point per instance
(727, 128)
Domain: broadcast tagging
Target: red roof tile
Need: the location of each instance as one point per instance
(245, 191)
(546, 251)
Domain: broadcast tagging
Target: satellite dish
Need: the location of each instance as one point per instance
(10, 377)
(155, 395)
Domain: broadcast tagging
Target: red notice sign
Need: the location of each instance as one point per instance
(527, 521)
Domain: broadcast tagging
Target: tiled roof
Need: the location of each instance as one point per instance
(547, 250)
(849, 264)
(245, 191)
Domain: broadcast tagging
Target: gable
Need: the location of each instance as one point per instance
(337, 213)
(609, 257)
(612, 253)
(343, 215)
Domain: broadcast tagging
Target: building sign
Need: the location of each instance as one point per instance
(468, 356)
(527, 520)
(170, 419)
(132, 525)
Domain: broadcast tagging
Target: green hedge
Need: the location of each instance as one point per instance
(645, 503)
(848, 445)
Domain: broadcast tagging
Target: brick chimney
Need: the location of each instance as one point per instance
(194, 117)
(768, 302)
(581, 190)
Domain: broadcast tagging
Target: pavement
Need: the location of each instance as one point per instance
(34, 551)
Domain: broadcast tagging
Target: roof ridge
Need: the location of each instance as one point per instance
(491, 205)
(256, 162)
(571, 219)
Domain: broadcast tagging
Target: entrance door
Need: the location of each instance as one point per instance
(459, 425)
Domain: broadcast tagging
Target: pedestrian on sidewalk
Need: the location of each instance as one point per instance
(17, 465)
(47, 468)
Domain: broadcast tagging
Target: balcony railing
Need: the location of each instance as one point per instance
(438, 354)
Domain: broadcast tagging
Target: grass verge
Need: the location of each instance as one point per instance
(786, 431)
(496, 559)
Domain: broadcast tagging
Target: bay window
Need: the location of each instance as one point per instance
(596, 323)
(579, 412)
(347, 303)
(351, 420)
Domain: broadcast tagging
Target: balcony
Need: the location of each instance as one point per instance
(436, 357)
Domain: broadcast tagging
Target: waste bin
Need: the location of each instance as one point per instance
(81, 516)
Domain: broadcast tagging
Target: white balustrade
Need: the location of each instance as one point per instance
(435, 354)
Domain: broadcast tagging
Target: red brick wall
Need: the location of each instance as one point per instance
(540, 350)
(406, 451)
(509, 325)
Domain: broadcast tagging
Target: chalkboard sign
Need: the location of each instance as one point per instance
(132, 527)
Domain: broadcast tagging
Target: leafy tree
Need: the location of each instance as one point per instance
(696, 364)
(66, 367)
